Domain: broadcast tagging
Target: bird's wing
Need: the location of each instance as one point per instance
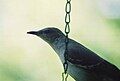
(84, 58)
(79, 54)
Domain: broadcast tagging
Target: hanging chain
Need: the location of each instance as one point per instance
(67, 31)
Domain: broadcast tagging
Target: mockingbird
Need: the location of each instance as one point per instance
(84, 64)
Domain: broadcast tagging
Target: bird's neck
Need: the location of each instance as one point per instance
(59, 47)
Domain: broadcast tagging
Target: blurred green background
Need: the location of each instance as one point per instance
(96, 24)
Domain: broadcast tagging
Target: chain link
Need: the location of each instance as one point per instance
(64, 77)
(67, 31)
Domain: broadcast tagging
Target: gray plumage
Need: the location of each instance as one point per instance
(84, 64)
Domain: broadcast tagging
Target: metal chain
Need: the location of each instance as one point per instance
(67, 31)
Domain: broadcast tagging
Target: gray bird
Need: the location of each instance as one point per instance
(83, 64)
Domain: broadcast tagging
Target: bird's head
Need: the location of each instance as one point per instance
(48, 34)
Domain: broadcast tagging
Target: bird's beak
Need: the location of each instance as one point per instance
(32, 32)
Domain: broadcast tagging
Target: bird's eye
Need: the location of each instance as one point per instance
(47, 31)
